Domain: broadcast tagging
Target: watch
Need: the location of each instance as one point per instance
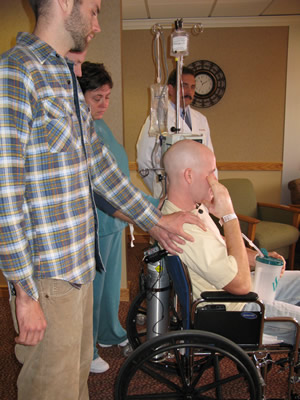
(210, 83)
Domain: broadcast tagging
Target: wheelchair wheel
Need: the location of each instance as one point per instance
(136, 322)
(188, 365)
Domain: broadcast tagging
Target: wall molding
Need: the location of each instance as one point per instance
(235, 166)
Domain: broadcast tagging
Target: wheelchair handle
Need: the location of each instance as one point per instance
(152, 258)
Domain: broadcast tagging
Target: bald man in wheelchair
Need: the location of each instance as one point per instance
(216, 262)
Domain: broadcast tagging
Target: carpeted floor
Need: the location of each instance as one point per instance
(100, 385)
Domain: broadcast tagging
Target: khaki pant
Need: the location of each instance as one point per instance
(58, 367)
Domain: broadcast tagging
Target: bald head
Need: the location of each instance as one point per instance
(185, 154)
(187, 164)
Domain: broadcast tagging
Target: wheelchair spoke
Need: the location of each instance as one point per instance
(161, 378)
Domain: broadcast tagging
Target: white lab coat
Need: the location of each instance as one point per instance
(146, 143)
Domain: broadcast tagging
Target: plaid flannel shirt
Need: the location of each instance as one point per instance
(47, 170)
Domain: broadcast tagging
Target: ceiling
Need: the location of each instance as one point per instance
(162, 9)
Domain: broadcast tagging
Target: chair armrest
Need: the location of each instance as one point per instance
(221, 295)
(294, 205)
(248, 225)
(279, 213)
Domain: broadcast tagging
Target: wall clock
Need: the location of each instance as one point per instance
(210, 83)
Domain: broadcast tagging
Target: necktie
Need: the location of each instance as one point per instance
(187, 119)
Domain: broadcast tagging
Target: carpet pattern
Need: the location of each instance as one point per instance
(101, 386)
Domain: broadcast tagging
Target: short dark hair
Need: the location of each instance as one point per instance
(39, 7)
(173, 75)
(94, 75)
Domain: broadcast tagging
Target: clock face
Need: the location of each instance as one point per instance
(204, 83)
(210, 83)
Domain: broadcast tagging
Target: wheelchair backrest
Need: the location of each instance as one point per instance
(182, 286)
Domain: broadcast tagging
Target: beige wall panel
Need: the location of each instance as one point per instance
(247, 124)
(266, 183)
(16, 16)
(106, 48)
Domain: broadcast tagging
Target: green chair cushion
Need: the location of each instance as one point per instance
(273, 235)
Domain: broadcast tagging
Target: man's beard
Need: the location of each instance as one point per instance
(78, 29)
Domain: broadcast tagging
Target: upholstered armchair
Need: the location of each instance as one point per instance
(274, 227)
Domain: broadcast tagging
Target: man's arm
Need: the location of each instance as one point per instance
(16, 258)
(220, 206)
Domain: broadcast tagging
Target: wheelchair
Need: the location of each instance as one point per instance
(185, 349)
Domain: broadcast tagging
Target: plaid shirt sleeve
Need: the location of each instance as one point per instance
(15, 254)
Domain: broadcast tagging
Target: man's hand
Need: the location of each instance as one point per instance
(30, 317)
(169, 230)
(220, 203)
(252, 254)
(276, 255)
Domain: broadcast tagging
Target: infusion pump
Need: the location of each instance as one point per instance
(168, 140)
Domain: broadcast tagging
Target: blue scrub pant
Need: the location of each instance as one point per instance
(106, 325)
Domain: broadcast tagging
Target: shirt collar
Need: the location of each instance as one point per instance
(174, 106)
(39, 48)
(174, 208)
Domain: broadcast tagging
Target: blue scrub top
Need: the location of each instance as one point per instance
(108, 224)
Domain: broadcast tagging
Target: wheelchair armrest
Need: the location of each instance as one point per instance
(220, 296)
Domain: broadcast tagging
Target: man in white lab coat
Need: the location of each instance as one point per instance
(191, 121)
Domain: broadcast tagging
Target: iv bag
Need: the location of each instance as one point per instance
(159, 110)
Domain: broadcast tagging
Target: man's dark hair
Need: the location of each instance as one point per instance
(94, 75)
(185, 71)
(40, 7)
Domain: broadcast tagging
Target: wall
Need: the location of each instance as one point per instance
(248, 123)
(291, 159)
